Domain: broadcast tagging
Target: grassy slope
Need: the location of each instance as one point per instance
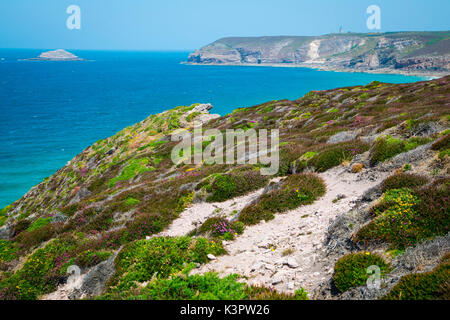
(135, 191)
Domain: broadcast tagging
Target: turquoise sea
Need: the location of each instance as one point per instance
(51, 111)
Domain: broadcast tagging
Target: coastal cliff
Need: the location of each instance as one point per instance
(422, 53)
(363, 180)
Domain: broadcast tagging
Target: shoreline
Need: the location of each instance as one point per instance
(427, 75)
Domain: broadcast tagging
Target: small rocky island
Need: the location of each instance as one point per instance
(56, 55)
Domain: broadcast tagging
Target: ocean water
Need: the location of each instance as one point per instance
(51, 111)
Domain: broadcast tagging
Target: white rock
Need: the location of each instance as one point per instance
(211, 257)
(257, 266)
(277, 280)
(292, 263)
(290, 286)
(270, 267)
(264, 244)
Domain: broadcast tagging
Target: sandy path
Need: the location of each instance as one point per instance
(257, 253)
(195, 215)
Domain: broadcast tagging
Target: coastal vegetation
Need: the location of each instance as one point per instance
(113, 203)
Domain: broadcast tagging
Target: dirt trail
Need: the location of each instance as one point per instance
(258, 253)
(195, 215)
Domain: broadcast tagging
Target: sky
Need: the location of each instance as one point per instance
(190, 24)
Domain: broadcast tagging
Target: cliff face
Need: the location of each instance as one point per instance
(402, 51)
(123, 212)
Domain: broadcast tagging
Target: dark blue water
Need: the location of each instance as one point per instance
(51, 111)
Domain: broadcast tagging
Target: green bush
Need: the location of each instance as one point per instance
(408, 217)
(132, 169)
(442, 144)
(197, 287)
(39, 223)
(3, 216)
(192, 116)
(296, 190)
(403, 180)
(351, 270)
(145, 224)
(433, 285)
(289, 159)
(206, 287)
(264, 293)
(21, 226)
(91, 258)
(8, 251)
(228, 186)
(30, 239)
(160, 257)
(221, 227)
(334, 155)
(387, 147)
(40, 274)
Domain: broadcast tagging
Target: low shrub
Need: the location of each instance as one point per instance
(289, 159)
(295, 190)
(221, 228)
(334, 155)
(145, 224)
(21, 226)
(351, 270)
(158, 257)
(3, 216)
(8, 251)
(407, 217)
(30, 239)
(387, 147)
(357, 167)
(442, 143)
(228, 186)
(264, 293)
(39, 223)
(433, 285)
(403, 180)
(132, 169)
(196, 287)
(206, 287)
(91, 258)
(41, 273)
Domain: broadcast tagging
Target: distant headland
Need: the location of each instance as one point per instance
(56, 55)
(409, 53)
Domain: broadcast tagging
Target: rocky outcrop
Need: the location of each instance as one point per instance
(57, 55)
(6, 232)
(397, 52)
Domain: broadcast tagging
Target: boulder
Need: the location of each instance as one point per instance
(292, 263)
(211, 257)
(93, 283)
(343, 136)
(81, 194)
(6, 232)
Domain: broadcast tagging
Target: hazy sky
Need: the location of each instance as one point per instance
(189, 24)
